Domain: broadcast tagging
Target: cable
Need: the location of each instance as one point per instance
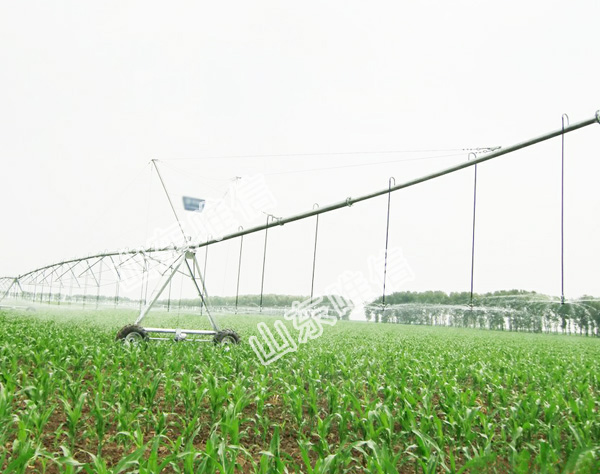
(358, 165)
(169, 199)
(335, 153)
(421, 158)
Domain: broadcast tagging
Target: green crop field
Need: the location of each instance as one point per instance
(374, 398)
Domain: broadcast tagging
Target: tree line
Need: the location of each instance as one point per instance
(512, 310)
(507, 310)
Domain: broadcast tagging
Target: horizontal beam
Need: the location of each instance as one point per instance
(350, 201)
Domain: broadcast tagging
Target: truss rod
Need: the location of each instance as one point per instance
(12, 283)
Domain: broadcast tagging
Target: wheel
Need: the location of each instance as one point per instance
(132, 334)
(227, 336)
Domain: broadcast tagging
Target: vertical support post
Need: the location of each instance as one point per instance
(237, 288)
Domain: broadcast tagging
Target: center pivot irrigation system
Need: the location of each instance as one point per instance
(184, 260)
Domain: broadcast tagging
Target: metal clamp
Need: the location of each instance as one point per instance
(274, 219)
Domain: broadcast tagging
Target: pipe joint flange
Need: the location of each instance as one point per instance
(598, 116)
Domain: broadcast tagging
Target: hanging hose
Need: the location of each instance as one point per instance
(262, 281)
(473, 233)
(562, 213)
(387, 235)
(237, 289)
(312, 283)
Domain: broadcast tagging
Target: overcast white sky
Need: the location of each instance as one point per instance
(91, 91)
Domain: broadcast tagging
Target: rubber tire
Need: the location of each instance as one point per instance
(132, 329)
(227, 336)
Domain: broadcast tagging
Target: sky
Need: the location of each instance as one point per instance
(322, 101)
